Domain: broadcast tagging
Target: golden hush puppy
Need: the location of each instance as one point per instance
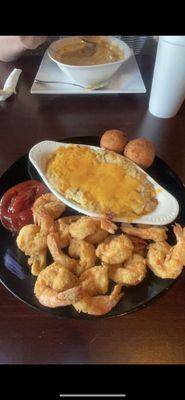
(114, 140)
(141, 151)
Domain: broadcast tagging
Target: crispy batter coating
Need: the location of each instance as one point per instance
(56, 286)
(165, 261)
(31, 240)
(131, 272)
(53, 242)
(115, 250)
(99, 305)
(50, 204)
(38, 262)
(82, 228)
(155, 233)
(95, 280)
(85, 252)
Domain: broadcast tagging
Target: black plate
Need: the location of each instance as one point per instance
(15, 274)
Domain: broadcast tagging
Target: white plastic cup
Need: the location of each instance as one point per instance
(168, 85)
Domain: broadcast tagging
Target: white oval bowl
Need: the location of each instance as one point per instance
(92, 75)
(165, 212)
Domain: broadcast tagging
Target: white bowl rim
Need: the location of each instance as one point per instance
(125, 47)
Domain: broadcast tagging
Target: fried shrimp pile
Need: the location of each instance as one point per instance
(93, 259)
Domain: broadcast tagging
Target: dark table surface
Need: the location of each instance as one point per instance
(154, 334)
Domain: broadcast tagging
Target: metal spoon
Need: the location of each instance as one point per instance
(63, 83)
(98, 86)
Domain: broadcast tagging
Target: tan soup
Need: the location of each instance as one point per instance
(89, 50)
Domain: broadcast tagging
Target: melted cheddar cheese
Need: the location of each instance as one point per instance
(106, 186)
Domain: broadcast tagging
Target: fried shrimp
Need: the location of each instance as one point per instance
(50, 204)
(69, 219)
(108, 226)
(44, 221)
(31, 240)
(157, 234)
(131, 273)
(99, 305)
(53, 242)
(165, 261)
(82, 228)
(99, 235)
(38, 262)
(63, 230)
(57, 287)
(95, 280)
(115, 250)
(85, 252)
(62, 226)
(140, 245)
(46, 209)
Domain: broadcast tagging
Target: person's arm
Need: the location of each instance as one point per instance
(11, 47)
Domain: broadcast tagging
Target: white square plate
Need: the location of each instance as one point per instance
(126, 80)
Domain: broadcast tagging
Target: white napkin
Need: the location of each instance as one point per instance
(10, 84)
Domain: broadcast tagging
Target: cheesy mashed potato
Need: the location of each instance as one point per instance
(101, 181)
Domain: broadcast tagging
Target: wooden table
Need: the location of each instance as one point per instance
(154, 334)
